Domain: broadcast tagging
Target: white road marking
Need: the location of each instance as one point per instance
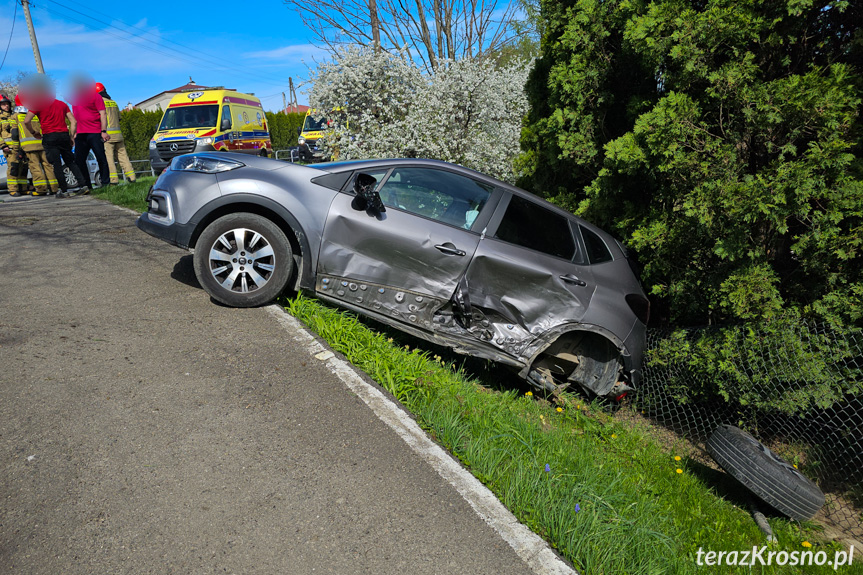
(527, 544)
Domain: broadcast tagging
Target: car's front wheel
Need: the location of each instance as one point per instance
(243, 260)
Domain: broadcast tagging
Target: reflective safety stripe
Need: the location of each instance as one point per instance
(132, 173)
(110, 132)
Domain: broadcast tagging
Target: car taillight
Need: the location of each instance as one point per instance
(640, 306)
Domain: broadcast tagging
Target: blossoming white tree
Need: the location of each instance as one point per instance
(467, 111)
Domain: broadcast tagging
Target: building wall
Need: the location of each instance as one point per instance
(155, 103)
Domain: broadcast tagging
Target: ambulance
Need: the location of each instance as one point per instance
(221, 120)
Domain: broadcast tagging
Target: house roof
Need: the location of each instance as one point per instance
(190, 87)
(300, 108)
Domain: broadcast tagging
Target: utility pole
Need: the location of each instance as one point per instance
(36, 54)
(284, 104)
(293, 93)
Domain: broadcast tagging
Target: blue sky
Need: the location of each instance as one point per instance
(252, 46)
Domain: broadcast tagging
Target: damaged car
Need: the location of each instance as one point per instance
(436, 250)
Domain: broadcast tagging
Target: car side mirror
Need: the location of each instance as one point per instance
(226, 125)
(367, 197)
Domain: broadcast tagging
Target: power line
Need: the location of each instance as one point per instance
(9, 43)
(212, 61)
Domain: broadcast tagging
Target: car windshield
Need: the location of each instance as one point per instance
(312, 125)
(184, 117)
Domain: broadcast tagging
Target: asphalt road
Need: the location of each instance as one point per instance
(144, 429)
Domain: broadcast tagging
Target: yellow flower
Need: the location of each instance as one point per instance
(795, 465)
(529, 394)
(806, 544)
(578, 407)
(678, 470)
(676, 458)
(560, 410)
(389, 340)
(613, 435)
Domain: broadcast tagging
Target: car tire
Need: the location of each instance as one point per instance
(222, 256)
(771, 478)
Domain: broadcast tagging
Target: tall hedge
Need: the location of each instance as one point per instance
(138, 128)
(720, 139)
(283, 128)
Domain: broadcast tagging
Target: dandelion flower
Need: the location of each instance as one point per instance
(613, 435)
(795, 466)
(676, 458)
(678, 470)
(806, 544)
(529, 393)
(578, 407)
(560, 410)
(547, 468)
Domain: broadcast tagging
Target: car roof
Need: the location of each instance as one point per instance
(367, 164)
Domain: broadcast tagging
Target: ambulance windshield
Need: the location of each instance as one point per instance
(312, 125)
(185, 117)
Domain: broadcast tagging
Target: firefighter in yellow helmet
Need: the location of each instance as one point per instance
(115, 147)
(41, 170)
(9, 144)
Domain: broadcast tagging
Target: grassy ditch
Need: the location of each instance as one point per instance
(127, 195)
(608, 498)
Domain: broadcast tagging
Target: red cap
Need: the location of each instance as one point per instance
(100, 87)
(17, 100)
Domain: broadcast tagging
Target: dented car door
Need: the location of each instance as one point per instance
(404, 262)
(525, 280)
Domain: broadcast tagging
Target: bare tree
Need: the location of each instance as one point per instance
(425, 31)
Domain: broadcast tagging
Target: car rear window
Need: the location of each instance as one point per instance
(530, 225)
(597, 251)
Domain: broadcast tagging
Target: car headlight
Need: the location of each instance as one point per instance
(204, 141)
(301, 140)
(152, 145)
(204, 164)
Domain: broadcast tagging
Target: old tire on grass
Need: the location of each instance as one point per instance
(768, 476)
(243, 260)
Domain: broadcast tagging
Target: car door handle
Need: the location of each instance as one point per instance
(569, 278)
(450, 249)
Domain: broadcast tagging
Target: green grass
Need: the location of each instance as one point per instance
(127, 195)
(636, 513)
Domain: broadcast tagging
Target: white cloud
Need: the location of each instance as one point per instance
(292, 52)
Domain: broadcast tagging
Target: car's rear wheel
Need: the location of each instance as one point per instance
(243, 260)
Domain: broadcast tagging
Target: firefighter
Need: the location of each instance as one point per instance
(115, 146)
(9, 144)
(44, 181)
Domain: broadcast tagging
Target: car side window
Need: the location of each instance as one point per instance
(439, 195)
(226, 118)
(597, 251)
(532, 226)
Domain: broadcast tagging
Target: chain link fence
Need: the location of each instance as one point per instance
(797, 387)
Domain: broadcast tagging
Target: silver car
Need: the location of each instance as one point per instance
(434, 249)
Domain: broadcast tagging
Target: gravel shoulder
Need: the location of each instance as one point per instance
(145, 429)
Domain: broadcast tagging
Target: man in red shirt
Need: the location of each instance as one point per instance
(89, 111)
(57, 140)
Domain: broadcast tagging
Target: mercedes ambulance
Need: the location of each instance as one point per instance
(221, 120)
